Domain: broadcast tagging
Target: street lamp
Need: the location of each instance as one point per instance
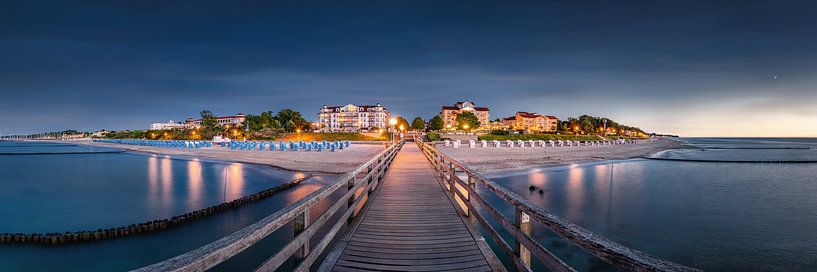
(392, 122)
(465, 127)
(299, 134)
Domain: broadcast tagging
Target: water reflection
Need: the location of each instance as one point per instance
(234, 183)
(195, 183)
(575, 191)
(166, 181)
(153, 180)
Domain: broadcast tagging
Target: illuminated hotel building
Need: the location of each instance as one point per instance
(449, 113)
(532, 122)
(352, 118)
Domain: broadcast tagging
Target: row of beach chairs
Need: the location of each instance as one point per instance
(158, 143)
(532, 143)
(318, 146)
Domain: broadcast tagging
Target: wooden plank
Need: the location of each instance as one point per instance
(416, 268)
(411, 225)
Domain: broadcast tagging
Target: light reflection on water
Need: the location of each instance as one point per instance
(100, 190)
(88, 192)
(718, 217)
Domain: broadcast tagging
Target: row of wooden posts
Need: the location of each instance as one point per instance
(56, 238)
(522, 248)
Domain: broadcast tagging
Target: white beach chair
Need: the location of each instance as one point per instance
(472, 144)
(447, 143)
(456, 144)
(531, 143)
(520, 143)
(496, 143)
(484, 143)
(509, 142)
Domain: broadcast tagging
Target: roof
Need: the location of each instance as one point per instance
(457, 108)
(525, 114)
(509, 118)
(551, 117)
(361, 106)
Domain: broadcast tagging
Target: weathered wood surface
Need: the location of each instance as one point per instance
(411, 226)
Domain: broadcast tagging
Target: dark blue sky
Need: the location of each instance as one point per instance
(693, 68)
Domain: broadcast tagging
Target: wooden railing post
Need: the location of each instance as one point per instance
(301, 222)
(524, 225)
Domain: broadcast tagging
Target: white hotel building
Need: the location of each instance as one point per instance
(352, 118)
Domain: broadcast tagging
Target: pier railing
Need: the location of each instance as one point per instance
(357, 191)
(523, 246)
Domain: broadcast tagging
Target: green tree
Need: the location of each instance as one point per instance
(418, 123)
(292, 120)
(436, 123)
(467, 118)
(208, 120)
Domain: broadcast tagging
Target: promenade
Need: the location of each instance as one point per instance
(411, 226)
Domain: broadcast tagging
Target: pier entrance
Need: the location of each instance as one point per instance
(411, 225)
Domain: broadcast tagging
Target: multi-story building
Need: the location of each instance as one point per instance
(166, 126)
(352, 118)
(449, 113)
(231, 120)
(531, 122)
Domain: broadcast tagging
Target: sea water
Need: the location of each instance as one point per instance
(753, 215)
(88, 188)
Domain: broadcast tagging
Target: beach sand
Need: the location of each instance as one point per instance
(492, 159)
(323, 162)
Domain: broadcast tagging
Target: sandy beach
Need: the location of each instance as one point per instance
(492, 159)
(321, 162)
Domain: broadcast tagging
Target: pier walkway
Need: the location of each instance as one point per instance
(411, 225)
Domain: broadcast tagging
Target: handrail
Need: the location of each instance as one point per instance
(446, 170)
(216, 252)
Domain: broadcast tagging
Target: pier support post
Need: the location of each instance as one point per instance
(524, 225)
(300, 223)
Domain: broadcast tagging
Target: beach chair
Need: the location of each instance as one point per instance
(520, 143)
(472, 144)
(496, 143)
(509, 143)
(447, 143)
(456, 144)
(531, 143)
(484, 143)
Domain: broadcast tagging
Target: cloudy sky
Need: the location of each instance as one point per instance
(690, 68)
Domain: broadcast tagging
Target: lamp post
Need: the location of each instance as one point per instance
(392, 122)
(299, 134)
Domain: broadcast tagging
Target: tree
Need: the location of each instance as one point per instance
(436, 123)
(467, 118)
(401, 122)
(208, 120)
(292, 120)
(418, 123)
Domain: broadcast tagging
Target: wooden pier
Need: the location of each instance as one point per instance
(412, 208)
(411, 225)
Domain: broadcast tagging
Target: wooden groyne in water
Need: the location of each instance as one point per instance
(55, 238)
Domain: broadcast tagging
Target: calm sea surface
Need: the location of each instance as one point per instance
(71, 192)
(717, 216)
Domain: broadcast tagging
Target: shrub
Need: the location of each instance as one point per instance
(500, 132)
(434, 137)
